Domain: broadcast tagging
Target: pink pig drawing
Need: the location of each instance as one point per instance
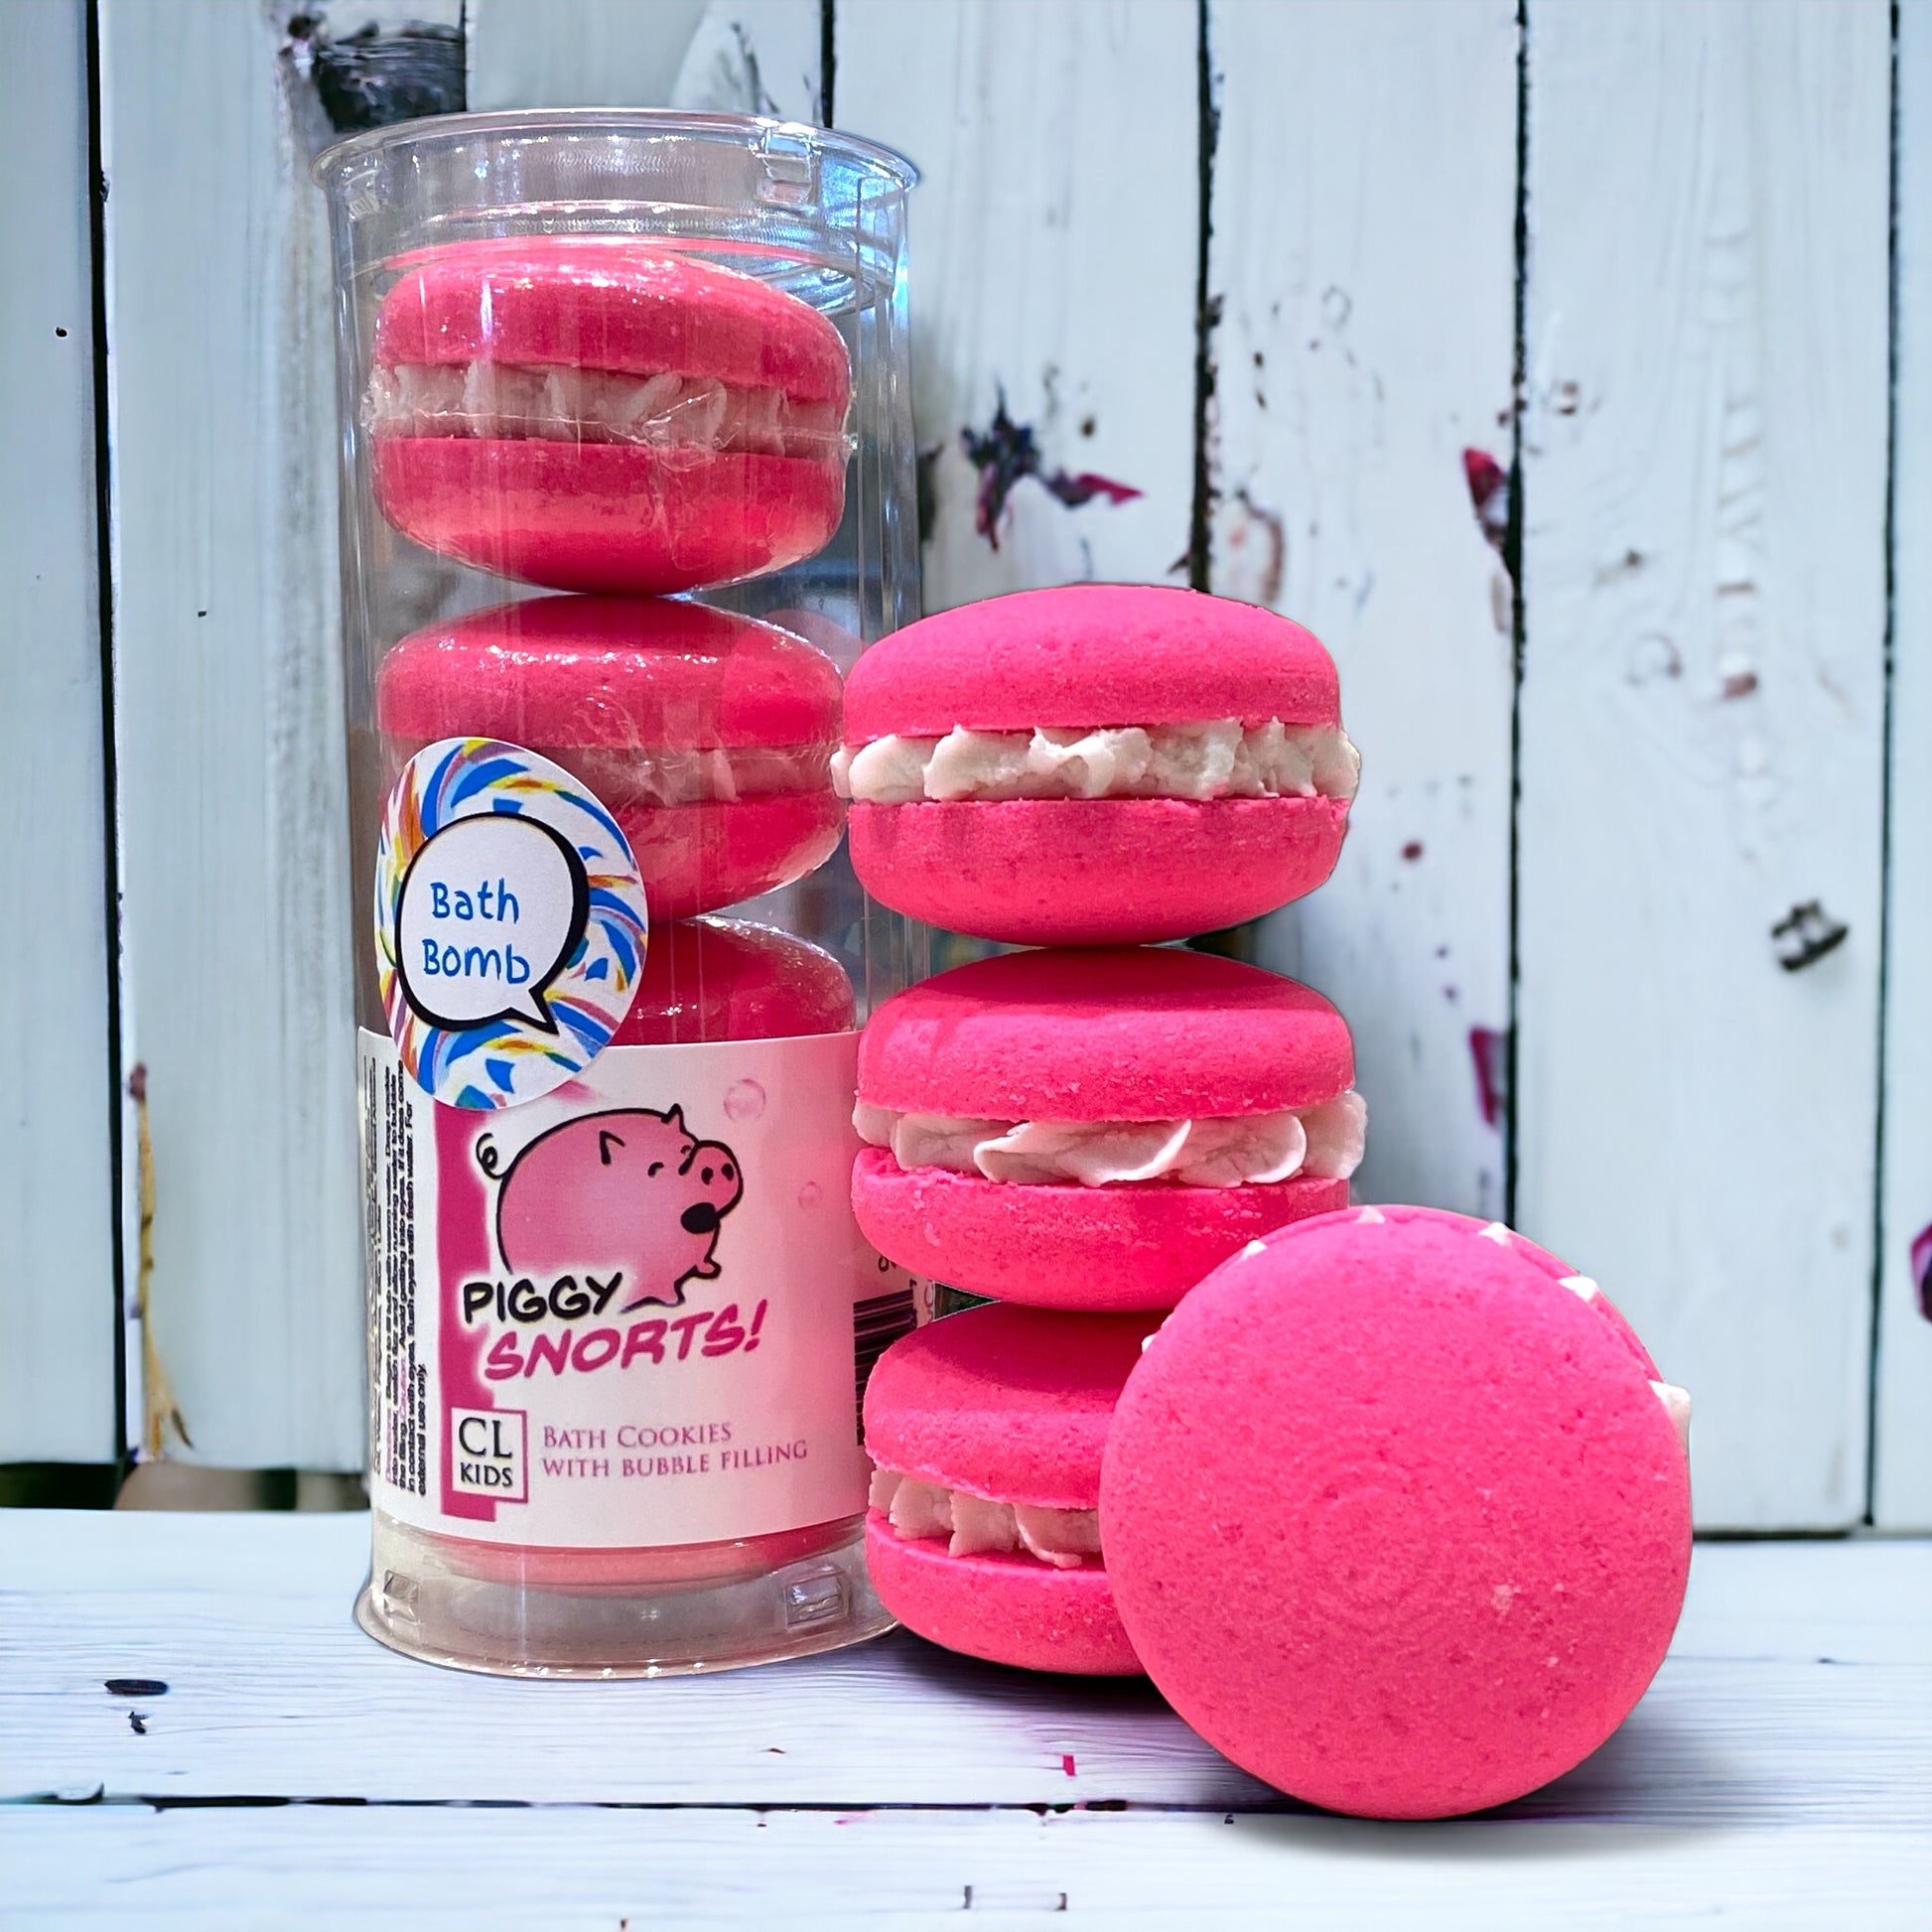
(628, 1188)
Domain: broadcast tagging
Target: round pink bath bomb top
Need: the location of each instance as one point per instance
(1137, 1032)
(1392, 1517)
(610, 673)
(1011, 1404)
(1090, 654)
(611, 687)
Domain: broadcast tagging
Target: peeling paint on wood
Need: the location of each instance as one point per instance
(1005, 454)
(371, 78)
(1034, 225)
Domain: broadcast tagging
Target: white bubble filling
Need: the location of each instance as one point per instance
(561, 404)
(1325, 1142)
(1216, 758)
(1067, 1539)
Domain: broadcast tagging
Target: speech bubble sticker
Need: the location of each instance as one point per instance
(510, 922)
(493, 907)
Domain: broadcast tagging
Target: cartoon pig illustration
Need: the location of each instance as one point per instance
(630, 1189)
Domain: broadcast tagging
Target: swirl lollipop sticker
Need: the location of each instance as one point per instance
(509, 922)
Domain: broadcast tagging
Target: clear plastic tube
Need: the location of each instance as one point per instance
(627, 484)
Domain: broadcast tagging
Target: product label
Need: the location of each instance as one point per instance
(632, 1311)
(509, 922)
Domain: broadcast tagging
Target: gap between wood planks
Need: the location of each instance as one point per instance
(1518, 623)
(100, 1798)
(1886, 762)
(111, 776)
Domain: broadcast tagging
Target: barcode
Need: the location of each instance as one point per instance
(877, 1324)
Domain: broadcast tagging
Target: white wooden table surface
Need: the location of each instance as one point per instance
(294, 1773)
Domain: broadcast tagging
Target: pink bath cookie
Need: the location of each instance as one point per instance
(987, 1428)
(730, 979)
(1396, 1513)
(592, 414)
(1093, 766)
(707, 735)
(1098, 1129)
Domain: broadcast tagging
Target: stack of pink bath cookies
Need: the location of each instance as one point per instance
(604, 419)
(594, 415)
(1084, 1130)
(1390, 1503)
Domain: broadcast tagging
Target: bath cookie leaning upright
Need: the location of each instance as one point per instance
(1095, 766)
(1099, 1128)
(1397, 1513)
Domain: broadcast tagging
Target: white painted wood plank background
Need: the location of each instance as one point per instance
(1052, 243)
(1738, 260)
(1775, 1769)
(1702, 705)
(57, 1265)
(228, 708)
(1902, 1431)
(1366, 339)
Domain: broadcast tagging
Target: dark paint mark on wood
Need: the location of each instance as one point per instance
(370, 78)
(1805, 935)
(1490, 494)
(137, 1722)
(1413, 850)
(1922, 1269)
(1005, 454)
(136, 1687)
(1631, 559)
(1489, 1050)
(1739, 684)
